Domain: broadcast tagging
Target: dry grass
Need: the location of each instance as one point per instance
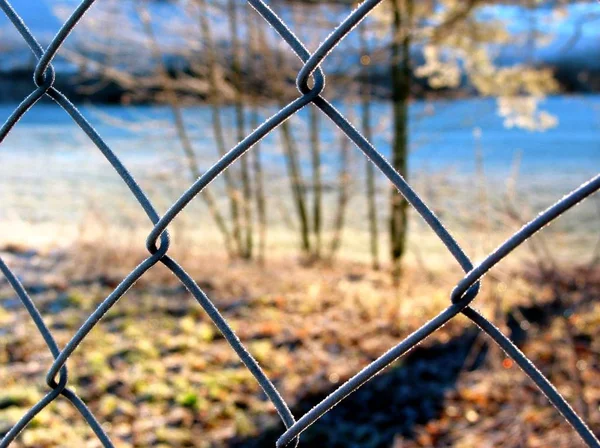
(156, 371)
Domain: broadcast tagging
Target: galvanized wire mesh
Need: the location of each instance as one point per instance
(157, 242)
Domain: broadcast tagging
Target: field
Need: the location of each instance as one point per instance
(156, 372)
(488, 113)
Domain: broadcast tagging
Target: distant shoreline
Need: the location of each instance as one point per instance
(17, 84)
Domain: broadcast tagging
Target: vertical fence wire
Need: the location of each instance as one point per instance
(157, 243)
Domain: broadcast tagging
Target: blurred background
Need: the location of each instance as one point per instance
(490, 110)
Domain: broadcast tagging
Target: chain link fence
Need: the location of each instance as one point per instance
(157, 242)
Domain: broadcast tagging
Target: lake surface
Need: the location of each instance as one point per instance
(47, 157)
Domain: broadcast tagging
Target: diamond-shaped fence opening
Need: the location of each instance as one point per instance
(158, 240)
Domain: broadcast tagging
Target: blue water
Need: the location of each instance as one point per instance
(441, 134)
(49, 169)
(573, 145)
(441, 139)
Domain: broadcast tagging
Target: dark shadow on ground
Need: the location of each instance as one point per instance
(412, 393)
(391, 404)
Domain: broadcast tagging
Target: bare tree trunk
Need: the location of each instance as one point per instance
(314, 118)
(291, 153)
(213, 98)
(401, 81)
(259, 193)
(261, 203)
(236, 70)
(317, 183)
(370, 168)
(343, 196)
(188, 149)
(180, 126)
(297, 184)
